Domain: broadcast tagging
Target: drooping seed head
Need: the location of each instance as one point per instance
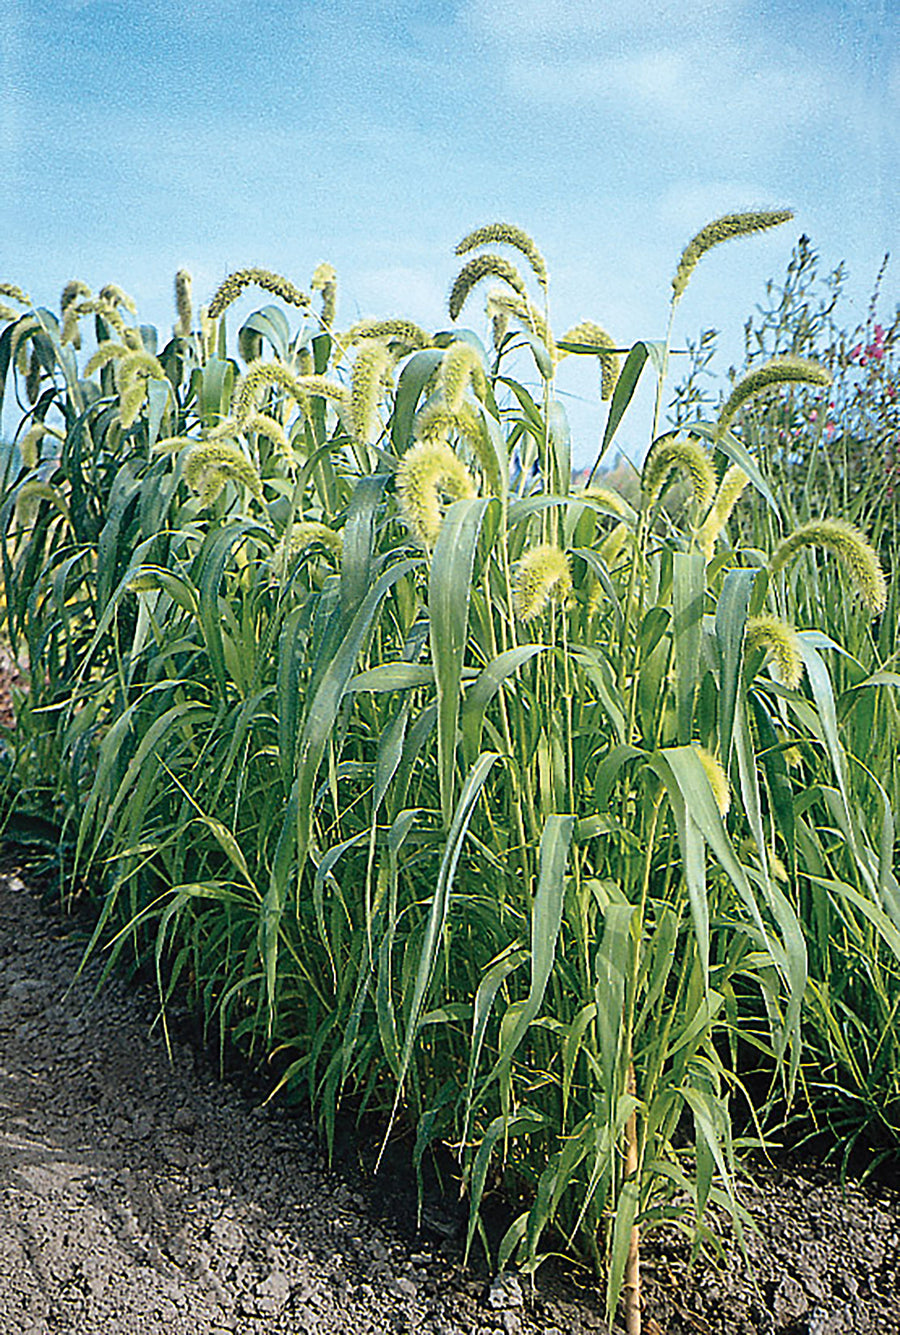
(852, 549)
(472, 273)
(437, 423)
(302, 536)
(405, 332)
(543, 573)
(718, 779)
(108, 351)
(723, 229)
(608, 498)
(730, 490)
(229, 291)
(504, 306)
(429, 476)
(113, 295)
(73, 291)
(210, 465)
(685, 454)
(259, 377)
(371, 371)
(592, 335)
(782, 643)
(777, 371)
(33, 378)
(506, 234)
(461, 366)
(183, 304)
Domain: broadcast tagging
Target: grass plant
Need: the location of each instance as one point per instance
(465, 793)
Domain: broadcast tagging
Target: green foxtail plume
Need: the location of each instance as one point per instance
(396, 331)
(33, 378)
(482, 266)
(14, 293)
(461, 366)
(543, 573)
(259, 377)
(612, 500)
(505, 234)
(29, 497)
(776, 371)
(209, 466)
(782, 642)
(29, 444)
(428, 474)
(730, 490)
(371, 370)
(183, 305)
(114, 296)
(229, 291)
(302, 536)
(324, 280)
(108, 351)
(686, 454)
(854, 551)
(723, 229)
(437, 423)
(595, 337)
(502, 305)
(718, 779)
(7, 314)
(72, 291)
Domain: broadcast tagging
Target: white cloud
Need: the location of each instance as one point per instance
(520, 22)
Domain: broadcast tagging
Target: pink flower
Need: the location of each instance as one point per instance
(854, 352)
(875, 351)
(829, 430)
(814, 416)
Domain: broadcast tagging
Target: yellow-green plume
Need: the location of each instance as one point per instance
(324, 280)
(504, 306)
(685, 454)
(29, 445)
(72, 292)
(505, 234)
(113, 295)
(593, 336)
(273, 431)
(723, 229)
(543, 573)
(207, 332)
(7, 313)
(730, 490)
(612, 500)
(235, 283)
(29, 497)
(14, 293)
(209, 466)
(183, 304)
(854, 551)
(429, 475)
(437, 423)
(258, 377)
(370, 371)
(777, 371)
(482, 266)
(302, 536)
(781, 641)
(33, 378)
(108, 351)
(395, 331)
(718, 779)
(461, 366)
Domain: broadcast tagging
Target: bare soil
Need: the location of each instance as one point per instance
(143, 1197)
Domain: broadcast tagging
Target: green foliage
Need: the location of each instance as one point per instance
(526, 873)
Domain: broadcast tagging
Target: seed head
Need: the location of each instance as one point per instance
(730, 490)
(505, 234)
(482, 266)
(405, 332)
(324, 280)
(854, 551)
(543, 573)
(371, 370)
(429, 475)
(503, 306)
(718, 779)
(183, 305)
(777, 371)
(229, 291)
(438, 423)
(723, 229)
(209, 466)
(461, 366)
(610, 362)
(781, 640)
(686, 454)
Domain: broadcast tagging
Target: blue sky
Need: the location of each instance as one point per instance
(136, 138)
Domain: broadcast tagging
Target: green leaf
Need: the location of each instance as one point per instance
(731, 621)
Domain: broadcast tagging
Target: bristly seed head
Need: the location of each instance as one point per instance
(183, 305)
(404, 332)
(851, 547)
(371, 371)
(592, 335)
(429, 474)
(505, 234)
(777, 371)
(543, 573)
(718, 779)
(781, 640)
(229, 291)
(209, 466)
(686, 454)
(461, 366)
(324, 280)
(730, 490)
(482, 266)
(723, 229)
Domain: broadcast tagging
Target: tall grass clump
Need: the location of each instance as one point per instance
(464, 792)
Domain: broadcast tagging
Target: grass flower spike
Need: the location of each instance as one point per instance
(780, 639)
(722, 229)
(371, 370)
(777, 371)
(730, 491)
(718, 779)
(406, 332)
(471, 274)
(592, 335)
(324, 280)
(438, 423)
(229, 291)
(430, 474)
(542, 574)
(461, 366)
(855, 553)
(212, 464)
(685, 454)
(302, 536)
(505, 234)
(183, 304)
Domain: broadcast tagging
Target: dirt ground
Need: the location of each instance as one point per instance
(139, 1197)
